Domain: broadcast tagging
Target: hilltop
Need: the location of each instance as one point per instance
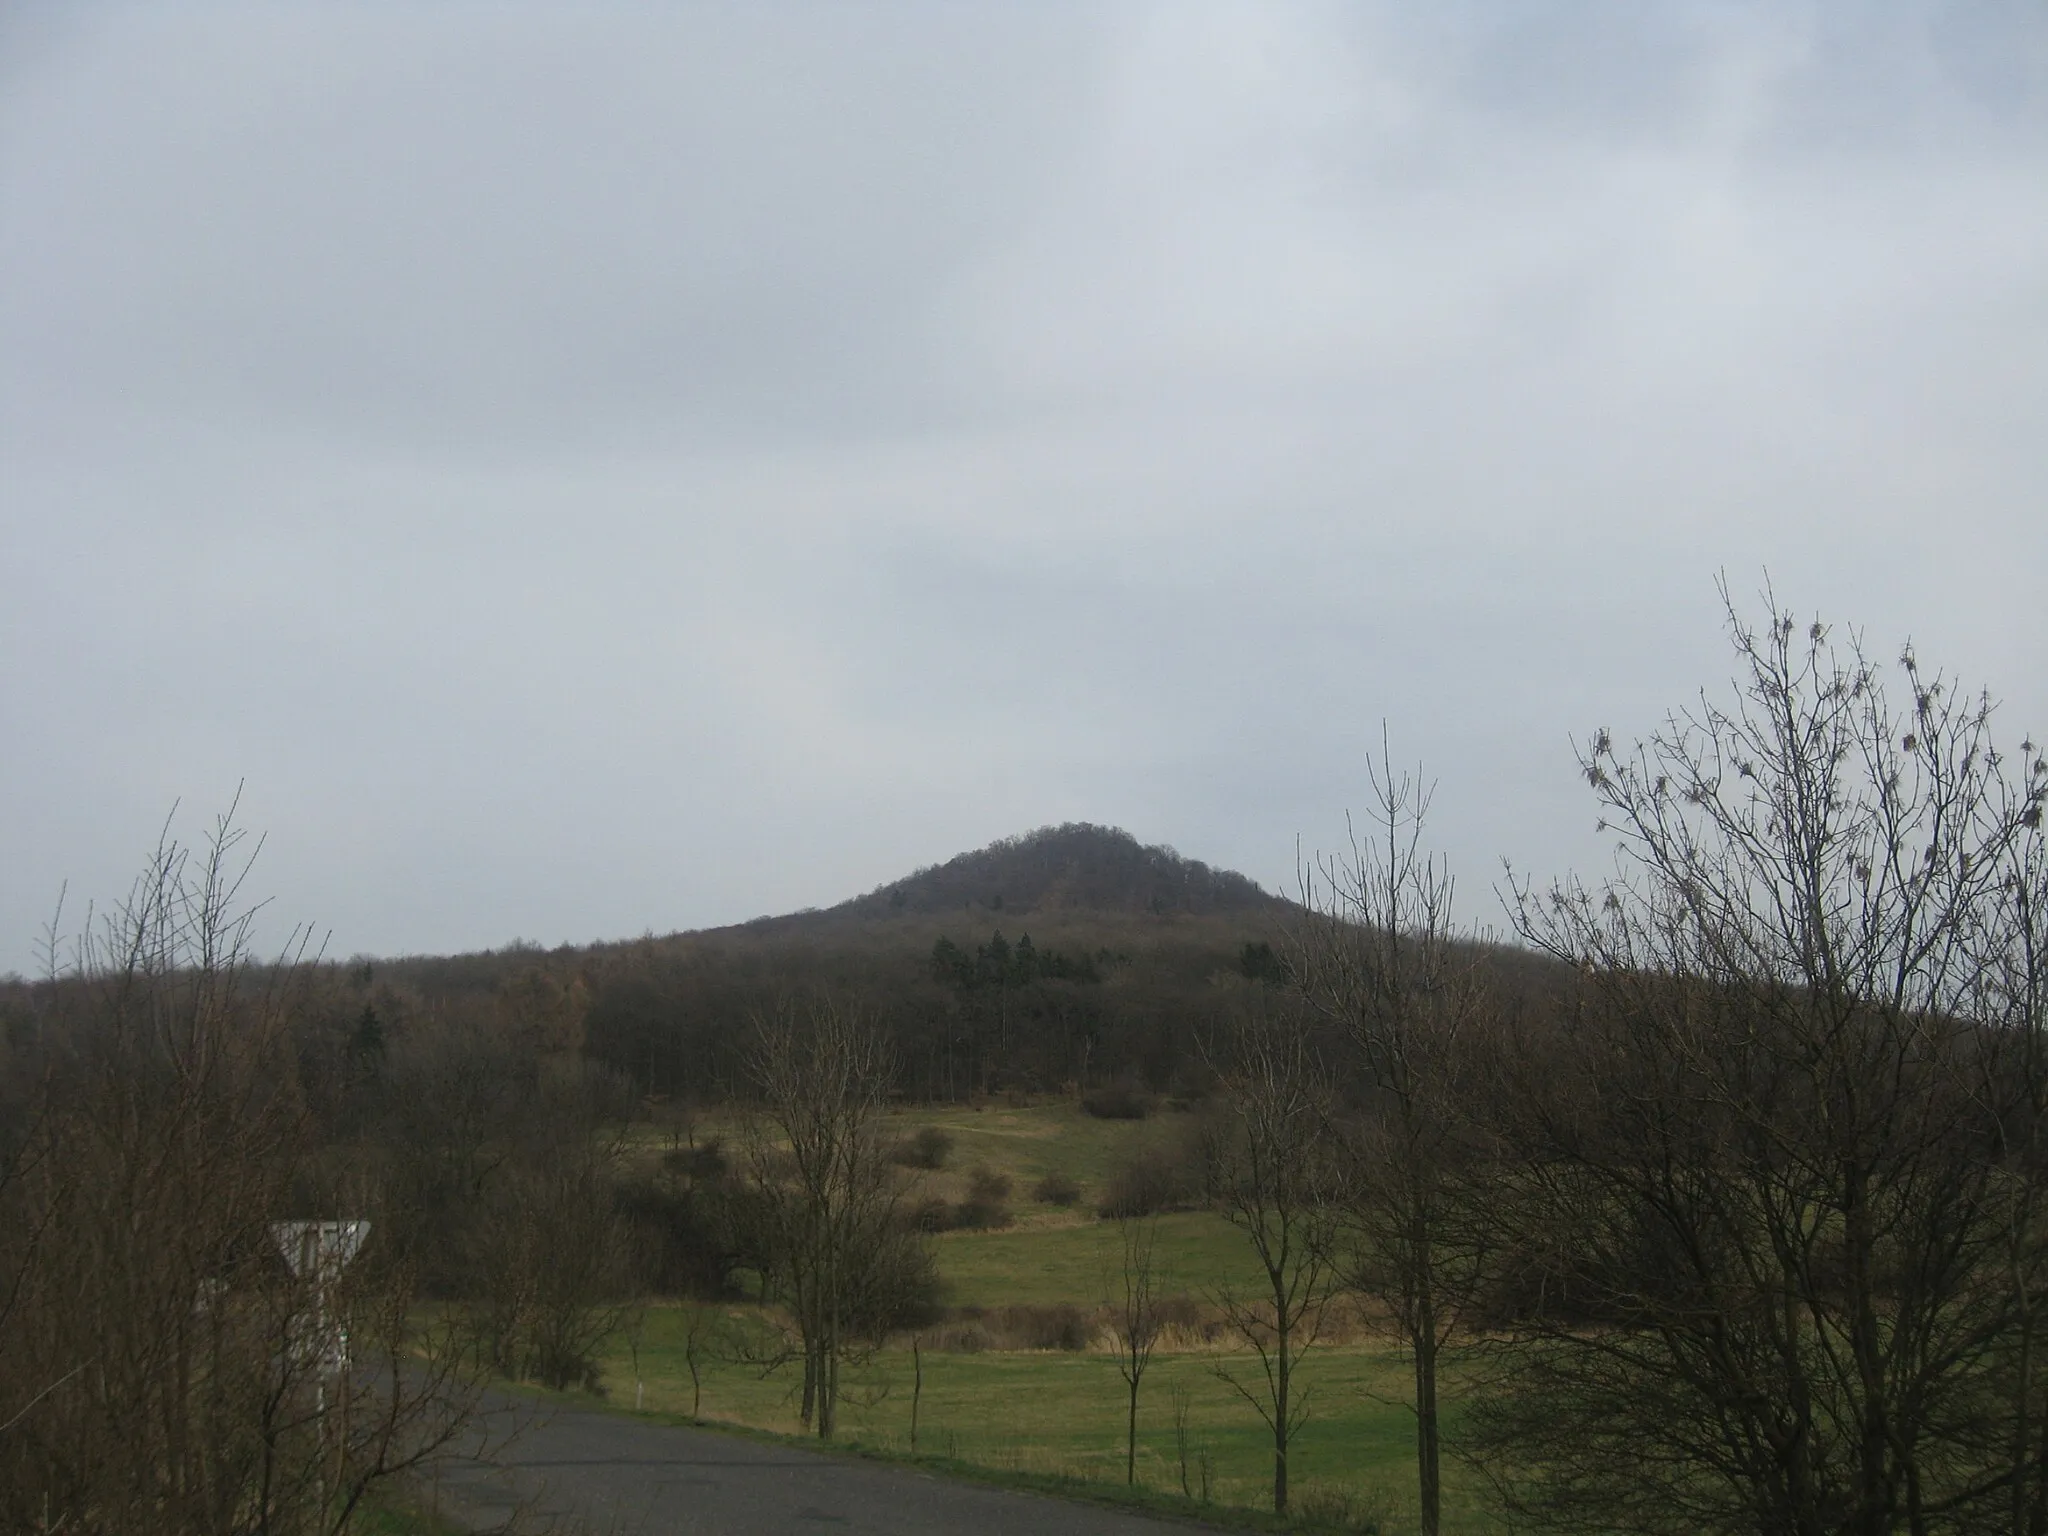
(1074, 867)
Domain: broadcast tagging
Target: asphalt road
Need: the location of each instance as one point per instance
(566, 1470)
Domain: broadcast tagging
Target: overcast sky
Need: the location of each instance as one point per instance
(598, 469)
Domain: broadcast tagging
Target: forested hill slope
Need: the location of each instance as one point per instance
(1077, 866)
(1073, 954)
(1065, 955)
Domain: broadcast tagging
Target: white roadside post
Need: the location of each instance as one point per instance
(318, 1251)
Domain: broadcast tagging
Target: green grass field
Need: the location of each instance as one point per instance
(1063, 1411)
(1079, 1260)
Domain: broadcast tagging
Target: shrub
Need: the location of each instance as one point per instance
(928, 1148)
(987, 1202)
(1056, 1189)
(700, 1163)
(686, 1238)
(968, 1330)
(1182, 1320)
(929, 1215)
(967, 1337)
(904, 1282)
(1064, 1326)
(1150, 1182)
(1119, 1101)
(1340, 1509)
(990, 1186)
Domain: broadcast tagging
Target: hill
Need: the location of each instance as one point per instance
(1077, 866)
(1072, 954)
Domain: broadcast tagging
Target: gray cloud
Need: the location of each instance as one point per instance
(593, 469)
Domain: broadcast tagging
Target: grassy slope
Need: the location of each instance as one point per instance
(1081, 1262)
(1052, 1255)
(1063, 1412)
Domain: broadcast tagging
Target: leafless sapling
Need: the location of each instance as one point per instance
(1271, 1167)
(1135, 1318)
(1376, 952)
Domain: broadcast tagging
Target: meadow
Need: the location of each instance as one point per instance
(1061, 1410)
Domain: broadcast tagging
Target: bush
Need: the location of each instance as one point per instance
(1340, 1509)
(1184, 1314)
(700, 1163)
(990, 1186)
(968, 1337)
(987, 1202)
(1064, 1326)
(903, 1285)
(928, 1148)
(968, 1330)
(1056, 1189)
(686, 1238)
(1151, 1182)
(1119, 1101)
(930, 1215)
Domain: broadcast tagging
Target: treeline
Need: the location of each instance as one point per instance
(1048, 1003)
(1068, 958)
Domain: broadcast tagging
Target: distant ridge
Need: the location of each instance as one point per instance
(1075, 866)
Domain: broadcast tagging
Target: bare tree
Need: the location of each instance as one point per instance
(1377, 954)
(550, 1261)
(2012, 998)
(1758, 1173)
(1270, 1165)
(705, 1323)
(1181, 1405)
(830, 1200)
(154, 1368)
(1135, 1318)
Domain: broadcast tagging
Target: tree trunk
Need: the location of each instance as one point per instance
(1427, 1452)
(1131, 1440)
(1875, 1491)
(916, 1385)
(1281, 1384)
(828, 1385)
